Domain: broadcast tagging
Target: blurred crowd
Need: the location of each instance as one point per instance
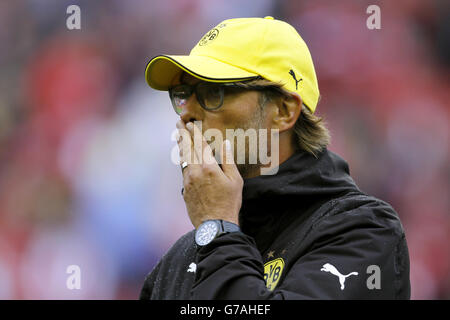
(85, 146)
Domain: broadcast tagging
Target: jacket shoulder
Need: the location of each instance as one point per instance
(360, 208)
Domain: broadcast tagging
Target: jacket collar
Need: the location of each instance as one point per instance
(271, 202)
(302, 175)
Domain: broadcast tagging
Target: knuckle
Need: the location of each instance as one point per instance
(208, 170)
(191, 177)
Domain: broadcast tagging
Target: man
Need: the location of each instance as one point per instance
(301, 231)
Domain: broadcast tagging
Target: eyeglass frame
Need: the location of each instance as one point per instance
(221, 86)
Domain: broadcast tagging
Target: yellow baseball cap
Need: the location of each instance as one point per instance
(243, 49)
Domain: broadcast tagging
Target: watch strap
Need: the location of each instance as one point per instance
(228, 227)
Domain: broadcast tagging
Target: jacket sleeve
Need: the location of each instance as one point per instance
(170, 279)
(357, 254)
(149, 282)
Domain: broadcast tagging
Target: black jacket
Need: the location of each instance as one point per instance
(308, 233)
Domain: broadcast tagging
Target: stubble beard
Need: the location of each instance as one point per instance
(247, 169)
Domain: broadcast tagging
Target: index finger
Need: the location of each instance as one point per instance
(203, 151)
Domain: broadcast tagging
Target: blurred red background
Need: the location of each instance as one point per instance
(85, 171)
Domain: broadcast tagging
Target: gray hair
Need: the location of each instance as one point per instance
(311, 132)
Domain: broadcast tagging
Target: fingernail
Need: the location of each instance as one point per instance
(189, 125)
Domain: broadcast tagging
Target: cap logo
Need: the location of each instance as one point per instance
(292, 73)
(210, 36)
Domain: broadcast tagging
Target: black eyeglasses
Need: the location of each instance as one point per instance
(210, 95)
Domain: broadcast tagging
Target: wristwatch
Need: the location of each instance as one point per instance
(211, 229)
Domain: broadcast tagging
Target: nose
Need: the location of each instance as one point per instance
(192, 110)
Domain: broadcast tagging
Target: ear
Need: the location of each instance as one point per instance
(287, 111)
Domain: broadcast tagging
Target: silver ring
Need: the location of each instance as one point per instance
(183, 165)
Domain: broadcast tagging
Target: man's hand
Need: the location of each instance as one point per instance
(210, 192)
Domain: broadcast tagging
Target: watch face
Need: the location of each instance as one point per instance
(206, 233)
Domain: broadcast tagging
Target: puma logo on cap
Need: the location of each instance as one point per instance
(292, 73)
